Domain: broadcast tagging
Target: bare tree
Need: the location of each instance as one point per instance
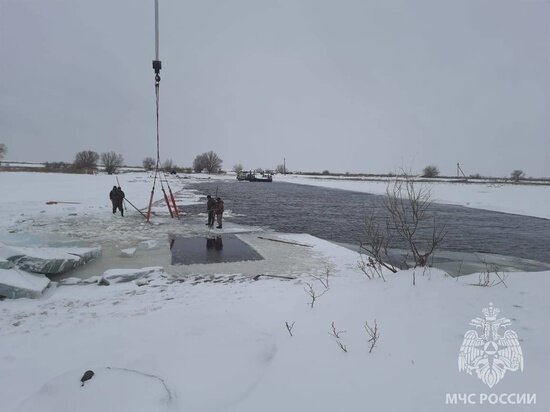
(430, 171)
(408, 220)
(199, 164)
(409, 212)
(238, 168)
(213, 163)
(517, 175)
(280, 169)
(86, 160)
(168, 165)
(111, 161)
(3, 150)
(148, 163)
(209, 161)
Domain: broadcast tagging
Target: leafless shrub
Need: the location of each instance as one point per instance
(323, 279)
(373, 333)
(373, 251)
(491, 277)
(430, 171)
(281, 169)
(289, 327)
(334, 332)
(313, 294)
(370, 267)
(56, 166)
(337, 334)
(408, 207)
(168, 166)
(148, 164)
(408, 214)
(342, 346)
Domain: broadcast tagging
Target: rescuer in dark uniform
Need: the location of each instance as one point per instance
(117, 197)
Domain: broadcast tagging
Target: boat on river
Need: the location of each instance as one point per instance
(254, 176)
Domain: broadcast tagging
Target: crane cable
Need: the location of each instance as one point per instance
(170, 201)
(157, 65)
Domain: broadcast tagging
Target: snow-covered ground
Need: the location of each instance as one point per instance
(217, 340)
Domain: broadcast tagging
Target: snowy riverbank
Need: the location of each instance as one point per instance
(214, 339)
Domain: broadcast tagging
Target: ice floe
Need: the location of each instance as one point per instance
(15, 283)
(48, 260)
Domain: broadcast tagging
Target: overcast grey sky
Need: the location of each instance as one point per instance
(347, 85)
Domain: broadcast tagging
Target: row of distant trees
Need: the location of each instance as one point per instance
(167, 166)
(3, 150)
(208, 161)
(238, 168)
(86, 161)
(433, 171)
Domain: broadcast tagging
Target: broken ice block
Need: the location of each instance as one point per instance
(15, 283)
(48, 260)
(149, 244)
(127, 252)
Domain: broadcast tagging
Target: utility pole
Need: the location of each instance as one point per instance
(459, 171)
(284, 165)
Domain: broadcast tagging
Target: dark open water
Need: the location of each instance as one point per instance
(338, 215)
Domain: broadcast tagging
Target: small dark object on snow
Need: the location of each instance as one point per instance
(103, 282)
(86, 377)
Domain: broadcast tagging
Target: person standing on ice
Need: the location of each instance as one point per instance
(219, 211)
(117, 197)
(210, 206)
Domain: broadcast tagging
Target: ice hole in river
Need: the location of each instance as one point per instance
(212, 249)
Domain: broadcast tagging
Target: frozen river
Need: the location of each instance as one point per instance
(338, 215)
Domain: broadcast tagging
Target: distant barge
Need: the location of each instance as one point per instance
(254, 177)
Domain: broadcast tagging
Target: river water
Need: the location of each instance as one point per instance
(339, 216)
